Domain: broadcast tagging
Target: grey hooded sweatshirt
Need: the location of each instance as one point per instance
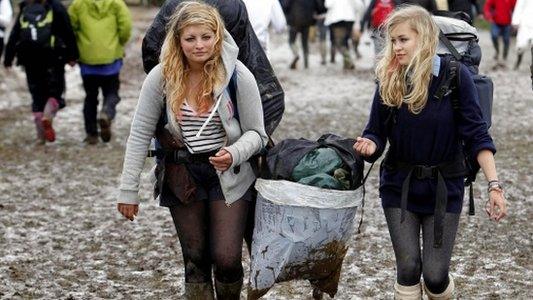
(243, 139)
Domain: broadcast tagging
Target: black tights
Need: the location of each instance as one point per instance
(434, 263)
(211, 234)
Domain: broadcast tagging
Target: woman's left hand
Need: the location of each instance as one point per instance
(496, 206)
(222, 160)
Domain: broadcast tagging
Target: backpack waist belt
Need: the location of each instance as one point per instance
(181, 156)
(453, 169)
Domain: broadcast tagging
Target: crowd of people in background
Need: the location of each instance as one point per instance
(94, 33)
(45, 37)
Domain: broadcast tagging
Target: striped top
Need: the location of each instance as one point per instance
(213, 136)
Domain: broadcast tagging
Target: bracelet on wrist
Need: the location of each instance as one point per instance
(495, 188)
(493, 182)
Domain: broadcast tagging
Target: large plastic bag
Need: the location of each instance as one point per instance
(301, 232)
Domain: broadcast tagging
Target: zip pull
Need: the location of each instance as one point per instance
(213, 111)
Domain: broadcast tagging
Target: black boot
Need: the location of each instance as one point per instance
(228, 291)
(199, 291)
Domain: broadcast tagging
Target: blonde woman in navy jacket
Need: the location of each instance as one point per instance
(424, 135)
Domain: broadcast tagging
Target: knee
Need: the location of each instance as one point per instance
(436, 279)
(408, 269)
(228, 268)
(197, 269)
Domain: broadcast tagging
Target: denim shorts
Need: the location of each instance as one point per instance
(207, 186)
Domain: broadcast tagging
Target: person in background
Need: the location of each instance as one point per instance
(422, 175)
(429, 5)
(301, 14)
(499, 14)
(262, 14)
(340, 17)
(357, 31)
(375, 16)
(322, 30)
(471, 7)
(102, 28)
(523, 21)
(198, 60)
(6, 13)
(43, 41)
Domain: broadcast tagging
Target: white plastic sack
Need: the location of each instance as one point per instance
(301, 232)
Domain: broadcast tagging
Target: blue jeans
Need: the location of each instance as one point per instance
(505, 32)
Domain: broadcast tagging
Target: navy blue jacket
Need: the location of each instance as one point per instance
(428, 138)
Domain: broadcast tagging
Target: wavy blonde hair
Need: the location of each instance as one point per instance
(175, 68)
(408, 84)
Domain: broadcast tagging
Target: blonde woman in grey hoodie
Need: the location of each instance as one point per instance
(198, 59)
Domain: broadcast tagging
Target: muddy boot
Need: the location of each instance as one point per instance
(105, 127)
(355, 44)
(347, 63)
(199, 291)
(402, 292)
(50, 110)
(38, 120)
(323, 52)
(295, 56)
(306, 61)
(317, 294)
(228, 291)
(332, 53)
(294, 63)
(446, 295)
(91, 139)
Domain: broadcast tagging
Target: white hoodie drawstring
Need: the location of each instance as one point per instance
(213, 111)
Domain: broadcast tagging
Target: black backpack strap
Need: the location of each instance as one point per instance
(449, 83)
(232, 89)
(363, 199)
(456, 105)
(449, 45)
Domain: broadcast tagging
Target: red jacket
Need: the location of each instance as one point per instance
(499, 11)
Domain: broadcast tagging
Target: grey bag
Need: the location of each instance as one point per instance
(459, 40)
(301, 232)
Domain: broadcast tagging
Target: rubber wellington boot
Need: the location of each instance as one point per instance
(228, 291)
(402, 292)
(347, 60)
(38, 120)
(447, 294)
(199, 291)
(50, 110)
(323, 52)
(105, 127)
(295, 56)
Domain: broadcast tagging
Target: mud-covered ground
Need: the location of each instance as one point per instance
(61, 237)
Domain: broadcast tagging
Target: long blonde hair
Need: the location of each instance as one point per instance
(175, 67)
(408, 84)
